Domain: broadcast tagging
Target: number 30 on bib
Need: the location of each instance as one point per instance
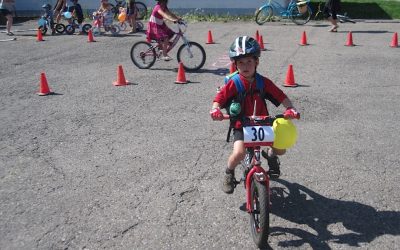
(258, 135)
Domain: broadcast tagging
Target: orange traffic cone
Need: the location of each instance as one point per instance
(257, 36)
(120, 77)
(44, 87)
(303, 40)
(39, 37)
(232, 68)
(209, 38)
(289, 81)
(90, 36)
(349, 40)
(261, 42)
(395, 42)
(181, 78)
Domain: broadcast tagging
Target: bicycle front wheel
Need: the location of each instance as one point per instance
(298, 17)
(86, 28)
(141, 10)
(259, 218)
(264, 15)
(143, 55)
(192, 56)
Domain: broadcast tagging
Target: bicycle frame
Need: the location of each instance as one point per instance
(172, 44)
(275, 5)
(256, 172)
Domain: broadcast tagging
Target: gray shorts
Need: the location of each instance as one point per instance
(238, 135)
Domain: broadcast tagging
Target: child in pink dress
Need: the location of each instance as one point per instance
(158, 30)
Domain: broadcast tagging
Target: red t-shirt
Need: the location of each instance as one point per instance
(271, 93)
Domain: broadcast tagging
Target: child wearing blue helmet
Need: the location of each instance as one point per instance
(244, 53)
(48, 14)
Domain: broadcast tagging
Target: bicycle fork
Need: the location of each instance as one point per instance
(187, 44)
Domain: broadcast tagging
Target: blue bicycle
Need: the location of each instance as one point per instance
(297, 11)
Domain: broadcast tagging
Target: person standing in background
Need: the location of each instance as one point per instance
(60, 6)
(7, 8)
(330, 10)
(132, 12)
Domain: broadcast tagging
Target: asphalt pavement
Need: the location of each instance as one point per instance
(95, 166)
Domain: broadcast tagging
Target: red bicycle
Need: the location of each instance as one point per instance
(258, 131)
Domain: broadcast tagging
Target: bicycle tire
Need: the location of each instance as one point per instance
(259, 218)
(123, 26)
(86, 28)
(141, 10)
(299, 18)
(143, 55)
(69, 29)
(96, 31)
(114, 29)
(195, 57)
(139, 26)
(264, 15)
(43, 30)
(60, 28)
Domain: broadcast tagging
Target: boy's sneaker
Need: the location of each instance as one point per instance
(273, 162)
(228, 185)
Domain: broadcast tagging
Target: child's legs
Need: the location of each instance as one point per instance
(80, 21)
(239, 151)
(9, 22)
(132, 18)
(164, 46)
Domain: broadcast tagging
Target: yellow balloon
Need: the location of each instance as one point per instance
(122, 17)
(285, 133)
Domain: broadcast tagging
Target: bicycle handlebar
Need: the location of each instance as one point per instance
(264, 117)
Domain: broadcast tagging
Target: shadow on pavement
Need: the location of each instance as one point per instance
(300, 205)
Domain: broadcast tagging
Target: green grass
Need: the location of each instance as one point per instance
(367, 9)
(358, 9)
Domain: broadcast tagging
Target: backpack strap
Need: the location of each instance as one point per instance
(260, 83)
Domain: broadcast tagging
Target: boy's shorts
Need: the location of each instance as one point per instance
(5, 12)
(238, 135)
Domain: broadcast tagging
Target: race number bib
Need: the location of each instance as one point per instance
(258, 135)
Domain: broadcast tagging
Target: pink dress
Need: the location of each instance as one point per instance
(156, 28)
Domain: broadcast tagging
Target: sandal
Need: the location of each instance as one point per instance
(166, 58)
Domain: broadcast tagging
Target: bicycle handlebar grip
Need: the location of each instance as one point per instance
(287, 116)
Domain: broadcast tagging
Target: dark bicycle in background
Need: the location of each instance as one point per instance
(140, 7)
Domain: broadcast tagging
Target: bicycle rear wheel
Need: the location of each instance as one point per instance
(264, 15)
(259, 218)
(298, 17)
(143, 55)
(141, 10)
(60, 28)
(192, 56)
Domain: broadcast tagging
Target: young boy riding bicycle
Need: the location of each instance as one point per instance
(245, 53)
